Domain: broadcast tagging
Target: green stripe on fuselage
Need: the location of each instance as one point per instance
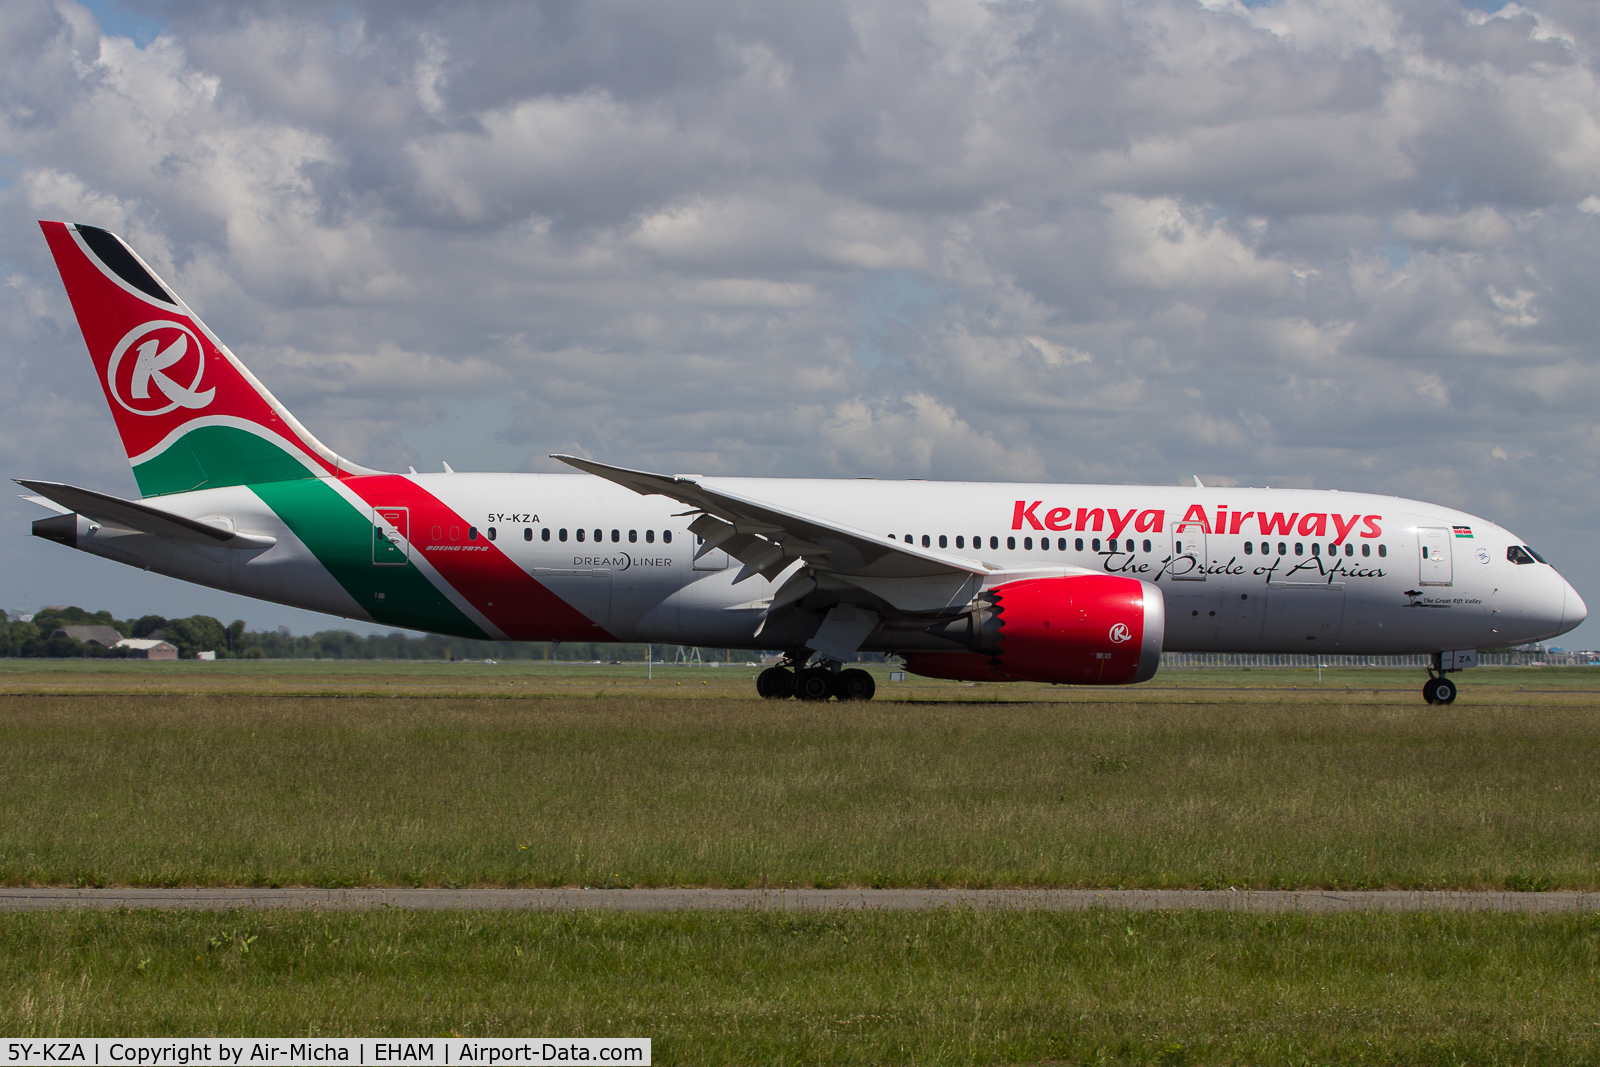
(341, 537)
(209, 457)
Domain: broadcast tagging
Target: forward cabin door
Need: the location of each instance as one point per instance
(1436, 564)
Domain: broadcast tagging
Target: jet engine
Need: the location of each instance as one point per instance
(1089, 629)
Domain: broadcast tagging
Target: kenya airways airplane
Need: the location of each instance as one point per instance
(993, 581)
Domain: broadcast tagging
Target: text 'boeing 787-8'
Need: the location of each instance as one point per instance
(993, 581)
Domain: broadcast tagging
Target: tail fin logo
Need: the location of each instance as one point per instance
(148, 383)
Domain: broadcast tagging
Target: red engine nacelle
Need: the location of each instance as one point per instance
(1090, 629)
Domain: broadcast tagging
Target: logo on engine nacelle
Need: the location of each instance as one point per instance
(1120, 633)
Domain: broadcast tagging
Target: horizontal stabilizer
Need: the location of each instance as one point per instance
(142, 518)
(46, 503)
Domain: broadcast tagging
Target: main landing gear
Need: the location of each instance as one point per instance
(813, 683)
(1439, 690)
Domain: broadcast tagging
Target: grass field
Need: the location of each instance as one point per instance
(525, 677)
(283, 774)
(513, 774)
(925, 988)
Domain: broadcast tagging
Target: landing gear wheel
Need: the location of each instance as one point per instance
(1439, 690)
(855, 684)
(775, 683)
(814, 683)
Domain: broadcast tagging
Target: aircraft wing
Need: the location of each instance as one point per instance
(768, 538)
(142, 518)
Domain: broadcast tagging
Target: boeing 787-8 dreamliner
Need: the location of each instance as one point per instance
(992, 581)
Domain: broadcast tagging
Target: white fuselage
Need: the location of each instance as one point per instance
(1268, 570)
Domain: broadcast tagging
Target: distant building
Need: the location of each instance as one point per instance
(104, 636)
(147, 648)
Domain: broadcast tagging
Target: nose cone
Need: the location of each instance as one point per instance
(1573, 609)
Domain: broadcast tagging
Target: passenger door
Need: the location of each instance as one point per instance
(1436, 564)
(391, 536)
(1188, 553)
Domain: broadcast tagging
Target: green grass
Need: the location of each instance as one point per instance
(1320, 790)
(928, 988)
(517, 678)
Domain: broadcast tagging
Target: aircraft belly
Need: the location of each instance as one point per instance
(711, 611)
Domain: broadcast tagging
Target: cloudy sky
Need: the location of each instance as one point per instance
(1330, 243)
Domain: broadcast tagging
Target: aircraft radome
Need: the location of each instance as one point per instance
(992, 581)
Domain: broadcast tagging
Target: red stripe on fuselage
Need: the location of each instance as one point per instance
(490, 580)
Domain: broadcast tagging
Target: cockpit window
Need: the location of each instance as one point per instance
(1521, 555)
(1534, 554)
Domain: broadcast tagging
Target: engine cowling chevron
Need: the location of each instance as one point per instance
(1080, 630)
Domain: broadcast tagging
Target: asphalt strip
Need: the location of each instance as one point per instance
(1308, 901)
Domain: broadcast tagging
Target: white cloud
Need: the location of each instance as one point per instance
(1336, 242)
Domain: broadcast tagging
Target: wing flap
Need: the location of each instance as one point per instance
(750, 529)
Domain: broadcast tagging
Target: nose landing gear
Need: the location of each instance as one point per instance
(791, 679)
(1440, 689)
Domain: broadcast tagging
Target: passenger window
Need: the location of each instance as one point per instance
(580, 535)
(1366, 550)
(1316, 549)
(1044, 544)
(649, 537)
(616, 535)
(961, 542)
(1283, 549)
(491, 533)
(1130, 544)
(436, 533)
(1095, 544)
(908, 539)
(1383, 550)
(544, 534)
(1349, 549)
(527, 533)
(1299, 549)
(927, 542)
(633, 536)
(1011, 543)
(563, 533)
(1249, 547)
(1147, 544)
(994, 542)
(472, 533)
(666, 537)
(1077, 542)
(455, 533)
(599, 535)
(1027, 543)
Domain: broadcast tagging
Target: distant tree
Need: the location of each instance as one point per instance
(197, 633)
(145, 625)
(235, 636)
(63, 647)
(22, 635)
